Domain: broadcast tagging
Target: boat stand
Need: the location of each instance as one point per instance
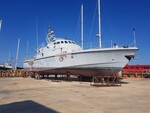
(102, 81)
(68, 77)
(37, 76)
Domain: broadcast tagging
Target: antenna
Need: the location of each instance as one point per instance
(134, 37)
(82, 26)
(99, 26)
(17, 53)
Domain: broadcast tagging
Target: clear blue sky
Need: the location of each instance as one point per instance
(119, 17)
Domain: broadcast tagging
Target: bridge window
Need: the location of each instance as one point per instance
(66, 42)
(58, 42)
(62, 42)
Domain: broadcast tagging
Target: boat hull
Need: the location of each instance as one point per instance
(92, 62)
(75, 71)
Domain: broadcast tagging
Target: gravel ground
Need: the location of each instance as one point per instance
(27, 95)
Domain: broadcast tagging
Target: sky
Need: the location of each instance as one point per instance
(25, 19)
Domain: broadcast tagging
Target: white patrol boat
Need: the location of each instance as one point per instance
(62, 56)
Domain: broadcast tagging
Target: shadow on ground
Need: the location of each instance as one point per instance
(25, 107)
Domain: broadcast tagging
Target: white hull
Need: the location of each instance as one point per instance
(93, 59)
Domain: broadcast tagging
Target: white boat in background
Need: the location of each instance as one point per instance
(5, 66)
(63, 56)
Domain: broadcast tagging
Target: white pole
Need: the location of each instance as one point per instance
(82, 26)
(99, 26)
(27, 50)
(17, 53)
(37, 36)
(0, 24)
(9, 58)
(134, 37)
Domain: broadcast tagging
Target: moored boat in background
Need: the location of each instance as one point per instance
(5, 66)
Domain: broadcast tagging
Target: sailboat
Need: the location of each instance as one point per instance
(63, 56)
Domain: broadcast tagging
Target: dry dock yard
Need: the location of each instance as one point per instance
(28, 95)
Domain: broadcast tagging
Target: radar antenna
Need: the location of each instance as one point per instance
(50, 35)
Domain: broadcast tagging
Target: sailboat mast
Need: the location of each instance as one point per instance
(82, 26)
(27, 49)
(9, 58)
(37, 37)
(134, 37)
(0, 24)
(17, 53)
(99, 26)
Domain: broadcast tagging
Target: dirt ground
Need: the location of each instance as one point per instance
(27, 95)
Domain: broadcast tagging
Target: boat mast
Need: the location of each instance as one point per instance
(134, 37)
(9, 58)
(27, 50)
(0, 24)
(99, 26)
(37, 37)
(82, 26)
(17, 53)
